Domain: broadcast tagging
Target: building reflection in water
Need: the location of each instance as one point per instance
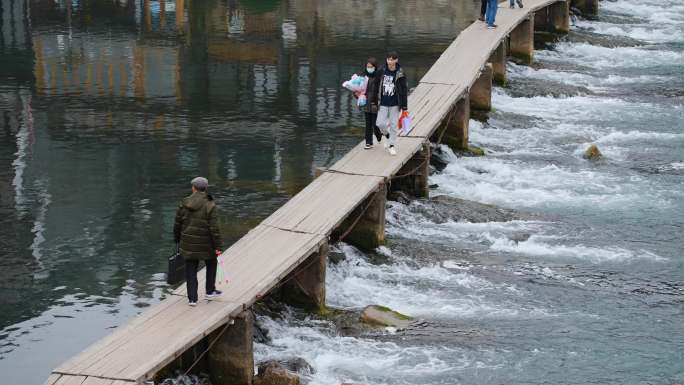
(109, 107)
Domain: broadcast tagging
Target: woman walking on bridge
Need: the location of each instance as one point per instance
(370, 110)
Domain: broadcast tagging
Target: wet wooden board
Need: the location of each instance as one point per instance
(59, 379)
(429, 110)
(327, 200)
(377, 161)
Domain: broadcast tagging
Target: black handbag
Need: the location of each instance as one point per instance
(176, 268)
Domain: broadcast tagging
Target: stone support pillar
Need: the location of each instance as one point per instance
(369, 232)
(456, 125)
(231, 358)
(522, 40)
(559, 16)
(498, 61)
(413, 176)
(587, 7)
(541, 20)
(481, 91)
(305, 286)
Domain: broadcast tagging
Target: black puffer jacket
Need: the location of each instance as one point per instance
(197, 227)
(399, 83)
(372, 93)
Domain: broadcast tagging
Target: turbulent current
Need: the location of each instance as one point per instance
(584, 281)
(530, 265)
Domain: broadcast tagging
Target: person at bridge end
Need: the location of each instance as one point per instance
(512, 3)
(492, 6)
(393, 94)
(197, 230)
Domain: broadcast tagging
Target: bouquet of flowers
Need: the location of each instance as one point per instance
(357, 84)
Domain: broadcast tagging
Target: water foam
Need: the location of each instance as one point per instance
(604, 57)
(535, 246)
(591, 81)
(639, 136)
(513, 183)
(642, 32)
(339, 359)
(425, 291)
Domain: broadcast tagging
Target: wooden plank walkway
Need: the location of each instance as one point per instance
(268, 253)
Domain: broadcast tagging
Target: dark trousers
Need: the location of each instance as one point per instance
(191, 267)
(372, 128)
(483, 8)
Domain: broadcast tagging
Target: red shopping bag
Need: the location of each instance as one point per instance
(405, 124)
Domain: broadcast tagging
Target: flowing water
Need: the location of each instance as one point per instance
(109, 108)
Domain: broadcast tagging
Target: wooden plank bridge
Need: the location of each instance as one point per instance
(350, 194)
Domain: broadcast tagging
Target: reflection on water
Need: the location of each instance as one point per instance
(109, 108)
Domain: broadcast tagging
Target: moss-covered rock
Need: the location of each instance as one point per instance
(593, 153)
(383, 316)
(473, 151)
(274, 373)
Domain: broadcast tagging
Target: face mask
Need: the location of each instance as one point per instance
(370, 70)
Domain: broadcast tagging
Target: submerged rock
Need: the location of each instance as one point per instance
(384, 316)
(592, 153)
(438, 159)
(443, 208)
(399, 196)
(187, 379)
(526, 87)
(260, 333)
(298, 365)
(274, 373)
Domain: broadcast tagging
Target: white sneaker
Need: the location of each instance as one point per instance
(192, 303)
(392, 151)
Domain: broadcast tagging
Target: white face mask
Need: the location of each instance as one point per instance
(370, 70)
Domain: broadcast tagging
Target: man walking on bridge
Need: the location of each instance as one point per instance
(393, 95)
(490, 16)
(197, 230)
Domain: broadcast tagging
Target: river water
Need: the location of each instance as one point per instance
(109, 108)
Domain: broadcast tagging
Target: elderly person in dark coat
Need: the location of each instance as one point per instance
(197, 230)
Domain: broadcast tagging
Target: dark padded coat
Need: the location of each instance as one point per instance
(400, 84)
(197, 228)
(372, 94)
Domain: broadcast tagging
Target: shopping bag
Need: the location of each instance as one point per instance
(405, 124)
(221, 276)
(176, 267)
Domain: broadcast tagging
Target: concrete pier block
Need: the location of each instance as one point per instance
(587, 7)
(369, 232)
(541, 20)
(305, 286)
(231, 358)
(481, 91)
(456, 134)
(498, 61)
(413, 176)
(559, 17)
(522, 40)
